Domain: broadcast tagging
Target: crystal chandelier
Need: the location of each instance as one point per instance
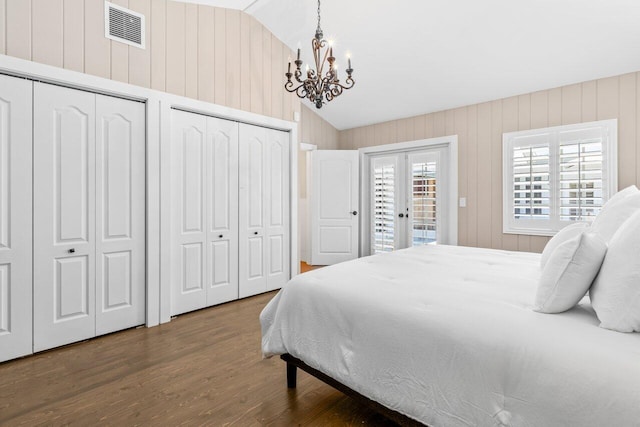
(318, 86)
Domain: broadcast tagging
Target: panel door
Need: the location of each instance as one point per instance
(277, 209)
(222, 211)
(253, 146)
(64, 214)
(120, 214)
(15, 218)
(189, 208)
(334, 206)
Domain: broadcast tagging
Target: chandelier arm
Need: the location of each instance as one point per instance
(301, 92)
(350, 83)
(289, 87)
(330, 95)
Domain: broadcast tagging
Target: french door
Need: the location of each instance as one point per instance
(408, 194)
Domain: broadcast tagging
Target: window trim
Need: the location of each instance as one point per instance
(548, 228)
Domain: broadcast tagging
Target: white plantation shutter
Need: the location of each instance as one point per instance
(383, 185)
(557, 175)
(531, 187)
(581, 173)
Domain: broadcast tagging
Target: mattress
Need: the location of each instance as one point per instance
(446, 336)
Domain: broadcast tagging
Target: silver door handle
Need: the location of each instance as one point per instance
(354, 213)
(72, 251)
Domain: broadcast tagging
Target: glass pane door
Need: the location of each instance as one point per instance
(423, 200)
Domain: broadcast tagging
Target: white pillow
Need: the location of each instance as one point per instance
(615, 212)
(615, 295)
(569, 272)
(569, 232)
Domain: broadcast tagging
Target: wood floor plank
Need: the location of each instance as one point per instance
(202, 368)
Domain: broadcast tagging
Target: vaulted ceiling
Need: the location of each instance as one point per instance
(418, 56)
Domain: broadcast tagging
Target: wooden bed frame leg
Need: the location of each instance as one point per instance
(292, 371)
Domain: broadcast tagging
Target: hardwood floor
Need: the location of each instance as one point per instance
(202, 368)
(304, 267)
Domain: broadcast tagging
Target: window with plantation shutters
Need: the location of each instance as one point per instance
(557, 175)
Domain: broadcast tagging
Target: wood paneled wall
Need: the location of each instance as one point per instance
(480, 128)
(314, 130)
(217, 55)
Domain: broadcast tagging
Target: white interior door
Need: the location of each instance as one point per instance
(189, 234)
(253, 147)
(15, 218)
(120, 214)
(334, 206)
(222, 211)
(64, 215)
(277, 212)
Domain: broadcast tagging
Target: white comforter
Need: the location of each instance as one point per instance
(446, 335)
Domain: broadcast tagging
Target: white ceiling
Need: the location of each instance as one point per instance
(419, 56)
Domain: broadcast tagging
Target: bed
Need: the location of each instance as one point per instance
(445, 336)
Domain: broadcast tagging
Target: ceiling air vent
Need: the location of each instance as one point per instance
(123, 25)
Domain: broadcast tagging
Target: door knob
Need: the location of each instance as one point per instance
(354, 213)
(220, 236)
(401, 215)
(255, 232)
(72, 250)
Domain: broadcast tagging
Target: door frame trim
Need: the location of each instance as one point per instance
(158, 137)
(450, 142)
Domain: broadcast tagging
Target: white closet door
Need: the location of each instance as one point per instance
(120, 214)
(15, 218)
(222, 211)
(253, 146)
(64, 212)
(189, 233)
(277, 212)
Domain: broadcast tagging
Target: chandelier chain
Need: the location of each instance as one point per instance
(319, 30)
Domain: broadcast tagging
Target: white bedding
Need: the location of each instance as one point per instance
(446, 335)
